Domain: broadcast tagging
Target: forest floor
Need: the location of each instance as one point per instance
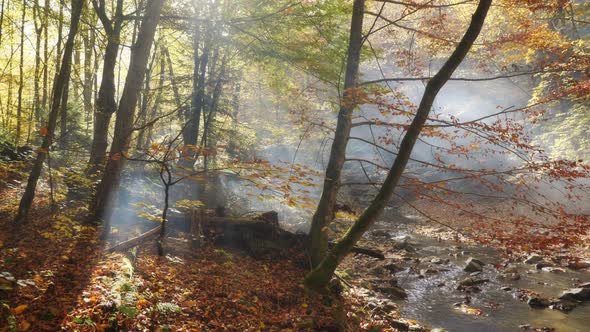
(55, 275)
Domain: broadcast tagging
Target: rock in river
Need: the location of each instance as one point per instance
(538, 302)
(579, 265)
(579, 294)
(472, 281)
(393, 291)
(473, 265)
(543, 264)
(533, 259)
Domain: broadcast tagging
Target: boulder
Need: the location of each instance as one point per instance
(543, 264)
(403, 243)
(511, 269)
(439, 261)
(470, 281)
(430, 270)
(584, 285)
(473, 265)
(380, 233)
(579, 265)
(399, 325)
(562, 305)
(577, 294)
(393, 291)
(538, 302)
(513, 276)
(533, 259)
(392, 267)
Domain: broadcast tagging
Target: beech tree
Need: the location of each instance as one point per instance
(325, 210)
(111, 178)
(321, 275)
(105, 104)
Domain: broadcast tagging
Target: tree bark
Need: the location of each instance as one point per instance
(109, 185)
(144, 101)
(191, 131)
(44, 96)
(19, 107)
(63, 117)
(38, 37)
(321, 275)
(318, 239)
(58, 88)
(2, 19)
(88, 74)
(105, 104)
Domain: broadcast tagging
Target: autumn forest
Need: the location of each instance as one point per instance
(294, 165)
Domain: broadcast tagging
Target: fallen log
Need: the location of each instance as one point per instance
(366, 251)
(134, 241)
(255, 235)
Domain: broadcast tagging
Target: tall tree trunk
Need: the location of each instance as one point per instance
(109, 185)
(321, 275)
(19, 107)
(38, 36)
(175, 90)
(88, 74)
(144, 101)
(58, 88)
(156, 107)
(105, 104)
(44, 96)
(59, 37)
(10, 86)
(63, 119)
(2, 19)
(318, 238)
(193, 118)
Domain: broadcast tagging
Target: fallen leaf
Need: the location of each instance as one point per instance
(24, 325)
(20, 309)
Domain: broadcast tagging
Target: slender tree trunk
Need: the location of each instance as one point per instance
(10, 86)
(44, 96)
(63, 118)
(58, 88)
(191, 130)
(59, 36)
(19, 107)
(144, 101)
(109, 185)
(324, 213)
(88, 75)
(38, 36)
(105, 103)
(156, 107)
(175, 90)
(2, 19)
(321, 275)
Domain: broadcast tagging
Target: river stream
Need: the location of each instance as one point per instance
(433, 298)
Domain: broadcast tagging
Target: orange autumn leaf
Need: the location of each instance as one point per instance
(43, 131)
(20, 309)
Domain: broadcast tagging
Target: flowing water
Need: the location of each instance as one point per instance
(432, 299)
